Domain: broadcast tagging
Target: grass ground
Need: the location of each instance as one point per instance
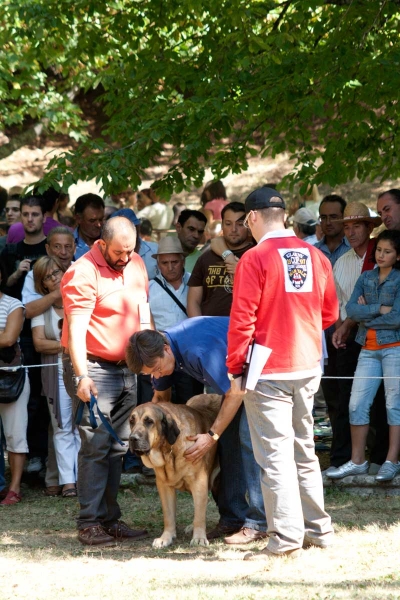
(40, 557)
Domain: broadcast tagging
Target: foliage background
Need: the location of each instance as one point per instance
(212, 83)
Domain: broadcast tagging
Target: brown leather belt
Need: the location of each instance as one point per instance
(119, 363)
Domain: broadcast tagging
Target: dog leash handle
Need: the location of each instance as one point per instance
(92, 418)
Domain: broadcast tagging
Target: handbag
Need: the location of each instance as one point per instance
(11, 382)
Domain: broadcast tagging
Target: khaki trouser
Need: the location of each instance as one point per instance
(281, 427)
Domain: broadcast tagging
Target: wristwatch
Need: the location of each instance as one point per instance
(225, 254)
(231, 376)
(79, 378)
(214, 436)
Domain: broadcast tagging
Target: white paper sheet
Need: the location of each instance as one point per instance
(259, 357)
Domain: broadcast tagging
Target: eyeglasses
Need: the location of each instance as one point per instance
(324, 218)
(54, 274)
(246, 220)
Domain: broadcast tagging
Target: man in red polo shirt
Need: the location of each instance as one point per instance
(105, 295)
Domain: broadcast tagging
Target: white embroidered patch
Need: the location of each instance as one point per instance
(297, 267)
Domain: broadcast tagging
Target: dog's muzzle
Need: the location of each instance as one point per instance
(138, 445)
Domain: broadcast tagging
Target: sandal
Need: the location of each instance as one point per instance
(11, 498)
(53, 490)
(69, 493)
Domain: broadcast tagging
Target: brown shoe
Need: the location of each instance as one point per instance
(121, 531)
(245, 536)
(221, 531)
(268, 555)
(95, 536)
(53, 490)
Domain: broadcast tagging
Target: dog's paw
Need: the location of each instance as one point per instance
(163, 542)
(199, 542)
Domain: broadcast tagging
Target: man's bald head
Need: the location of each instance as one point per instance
(117, 242)
(116, 227)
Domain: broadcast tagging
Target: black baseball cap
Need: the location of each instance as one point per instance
(264, 197)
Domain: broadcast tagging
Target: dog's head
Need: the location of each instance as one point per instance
(151, 426)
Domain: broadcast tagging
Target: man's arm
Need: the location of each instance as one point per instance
(195, 296)
(39, 306)
(23, 267)
(77, 330)
(342, 333)
(231, 404)
(218, 246)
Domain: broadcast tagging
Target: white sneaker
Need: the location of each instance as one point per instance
(34, 465)
(349, 468)
(388, 471)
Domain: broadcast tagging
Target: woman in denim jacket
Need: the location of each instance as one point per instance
(375, 304)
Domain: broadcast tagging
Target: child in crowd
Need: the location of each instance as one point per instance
(375, 304)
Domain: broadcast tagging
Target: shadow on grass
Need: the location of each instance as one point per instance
(48, 525)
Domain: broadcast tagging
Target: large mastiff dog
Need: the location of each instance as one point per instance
(159, 436)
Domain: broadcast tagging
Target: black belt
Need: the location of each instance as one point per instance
(119, 363)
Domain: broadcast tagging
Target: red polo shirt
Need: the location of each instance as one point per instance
(112, 298)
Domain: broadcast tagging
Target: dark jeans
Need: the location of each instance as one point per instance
(231, 494)
(100, 457)
(38, 412)
(330, 387)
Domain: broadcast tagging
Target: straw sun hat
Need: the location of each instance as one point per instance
(357, 211)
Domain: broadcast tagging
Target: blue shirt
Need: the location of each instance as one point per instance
(199, 346)
(146, 249)
(81, 246)
(343, 247)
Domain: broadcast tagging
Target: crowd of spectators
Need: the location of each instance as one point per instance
(191, 273)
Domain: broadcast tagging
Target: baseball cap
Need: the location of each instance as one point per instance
(264, 197)
(128, 213)
(304, 216)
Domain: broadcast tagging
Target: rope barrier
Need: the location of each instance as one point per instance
(17, 368)
(13, 369)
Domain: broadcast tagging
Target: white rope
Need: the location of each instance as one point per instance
(13, 369)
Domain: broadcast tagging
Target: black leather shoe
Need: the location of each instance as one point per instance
(121, 531)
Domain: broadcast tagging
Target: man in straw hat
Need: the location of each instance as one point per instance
(358, 226)
(169, 307)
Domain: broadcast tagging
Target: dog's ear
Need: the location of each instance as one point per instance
(169, 428)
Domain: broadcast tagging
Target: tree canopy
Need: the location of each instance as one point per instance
(212, 81)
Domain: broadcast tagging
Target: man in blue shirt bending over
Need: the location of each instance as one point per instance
(198, 347)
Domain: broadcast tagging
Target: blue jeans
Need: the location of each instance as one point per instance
(281, 427)
(255, 513)
(100, 457)
(376, 363)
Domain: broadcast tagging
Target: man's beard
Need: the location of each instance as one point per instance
(117, 265)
